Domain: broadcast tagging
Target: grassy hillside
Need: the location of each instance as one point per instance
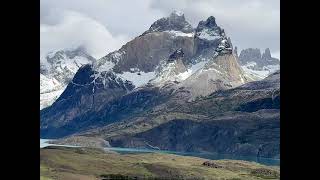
(88, 163)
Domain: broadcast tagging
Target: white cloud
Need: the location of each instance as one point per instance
(276, 54)
(75, 29)
(249, 23)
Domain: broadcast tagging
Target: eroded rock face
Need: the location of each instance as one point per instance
(146, 52)
(222, 72)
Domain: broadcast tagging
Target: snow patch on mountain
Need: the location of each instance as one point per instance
(47, 99)
(48, 84)
(260, 74)
(50, 90)
(168, 73)
(108, 65)
(180, 33)
(208, 35)
(138, 79)
(72, 64)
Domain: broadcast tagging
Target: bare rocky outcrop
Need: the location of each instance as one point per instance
(211, 164)
(145, 52)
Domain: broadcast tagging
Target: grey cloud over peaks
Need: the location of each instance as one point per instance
(105, 25)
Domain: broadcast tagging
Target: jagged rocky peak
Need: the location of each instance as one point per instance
(266, 54)
(209, 35)
(175, 22)
(209, 30)
(209, 23)
(253, 55)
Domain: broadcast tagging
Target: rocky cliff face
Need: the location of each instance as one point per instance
(208, 35)
(57, 70)
(257, 65)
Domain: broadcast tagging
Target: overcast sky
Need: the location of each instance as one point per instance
(105, 25)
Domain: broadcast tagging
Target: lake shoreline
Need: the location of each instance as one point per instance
(207, 155)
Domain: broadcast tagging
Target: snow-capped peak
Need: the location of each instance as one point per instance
(57, 70)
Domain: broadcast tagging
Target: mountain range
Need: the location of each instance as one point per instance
(256, 64)
(174, 87)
